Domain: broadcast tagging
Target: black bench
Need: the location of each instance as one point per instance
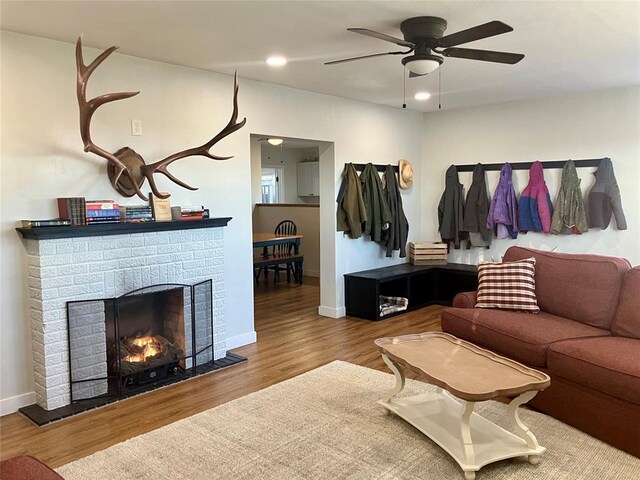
(422, 285)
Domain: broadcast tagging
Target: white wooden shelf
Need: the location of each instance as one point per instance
(437, 415)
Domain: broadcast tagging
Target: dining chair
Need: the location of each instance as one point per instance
(285, 227)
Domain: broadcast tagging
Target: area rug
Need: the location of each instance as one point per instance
(326, 424)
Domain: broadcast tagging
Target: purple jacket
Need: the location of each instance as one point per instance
(503, 212)
(536, 209)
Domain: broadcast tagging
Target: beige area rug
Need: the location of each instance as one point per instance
(326, 424)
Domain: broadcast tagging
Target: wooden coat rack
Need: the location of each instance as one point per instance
(380, 168)
(591, 162)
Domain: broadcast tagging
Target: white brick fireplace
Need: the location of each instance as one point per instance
(95, 267)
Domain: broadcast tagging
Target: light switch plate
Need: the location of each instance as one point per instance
(136, 127)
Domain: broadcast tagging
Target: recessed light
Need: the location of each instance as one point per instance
(276, 61)
(422, 96)
(275, 141)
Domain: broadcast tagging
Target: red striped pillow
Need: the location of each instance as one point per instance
(509, 286)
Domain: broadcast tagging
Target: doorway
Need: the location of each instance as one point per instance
(301, 170)
(270, 186)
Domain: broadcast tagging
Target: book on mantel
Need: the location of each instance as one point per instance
(54, 222)
(161, 208)
(73, 209)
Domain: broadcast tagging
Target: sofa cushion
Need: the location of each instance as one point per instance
(610, 365)
(508, 285)
(584, 288)
(627, 320)
(521, 336)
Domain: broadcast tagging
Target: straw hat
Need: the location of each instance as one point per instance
(405, 174)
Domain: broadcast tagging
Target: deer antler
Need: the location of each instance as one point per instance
(88, 108)
(202, 150)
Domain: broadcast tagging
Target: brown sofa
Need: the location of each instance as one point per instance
(586, 337)
(26, 467)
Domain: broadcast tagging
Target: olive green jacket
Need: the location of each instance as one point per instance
(395, 237)
(569, 215)
(351, 210)
(375, 201)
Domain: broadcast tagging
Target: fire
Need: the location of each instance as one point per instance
(151, 346)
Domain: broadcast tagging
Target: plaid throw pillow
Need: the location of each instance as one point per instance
(509, 286)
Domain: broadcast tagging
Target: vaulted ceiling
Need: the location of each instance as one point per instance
(570, 46)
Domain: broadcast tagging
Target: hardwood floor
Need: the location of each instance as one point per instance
(292, 339)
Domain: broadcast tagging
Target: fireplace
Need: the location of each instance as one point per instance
(140, 340)
(103, 272)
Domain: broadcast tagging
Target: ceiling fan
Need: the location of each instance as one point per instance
(423, 37)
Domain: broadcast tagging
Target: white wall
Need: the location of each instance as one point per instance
(592, 125)
(42, 159)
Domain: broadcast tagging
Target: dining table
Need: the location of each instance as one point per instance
(266, 240)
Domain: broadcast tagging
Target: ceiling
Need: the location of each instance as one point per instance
(570, 46)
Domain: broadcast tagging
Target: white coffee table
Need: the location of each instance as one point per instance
(464, 374)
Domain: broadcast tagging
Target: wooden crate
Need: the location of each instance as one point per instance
(428, 253)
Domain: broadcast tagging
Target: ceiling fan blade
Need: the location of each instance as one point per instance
(381, 36)
(475, 33)
(483, 55)
(333, 62)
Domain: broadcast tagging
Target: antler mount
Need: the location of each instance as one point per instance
(127, 170)
(127, 186)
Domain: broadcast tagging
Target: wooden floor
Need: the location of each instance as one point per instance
(292, 339)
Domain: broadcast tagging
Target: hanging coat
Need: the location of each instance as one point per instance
(351, 210)
(569, 215)
(604, 198)
(535, 209)
(451, 209)
(375, 202)
(395, 237)
(503, 212)
(476, 210)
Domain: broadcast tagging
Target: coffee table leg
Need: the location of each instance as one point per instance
(465, 432)
(519, 428)
(399, 379)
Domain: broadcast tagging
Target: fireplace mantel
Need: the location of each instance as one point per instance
(46, 233)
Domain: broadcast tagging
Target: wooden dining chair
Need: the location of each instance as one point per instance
(285, 227)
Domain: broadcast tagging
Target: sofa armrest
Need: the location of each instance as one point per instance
(465, 300)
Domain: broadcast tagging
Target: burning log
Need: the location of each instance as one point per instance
(147, 351)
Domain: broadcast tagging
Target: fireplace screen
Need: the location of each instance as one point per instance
(150, 336)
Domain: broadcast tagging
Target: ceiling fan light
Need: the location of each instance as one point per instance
(422, 64)
(422, 96)
(275, 141)
(276, 61)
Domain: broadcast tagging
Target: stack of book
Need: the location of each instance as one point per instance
(428, 253)
(72, 209)
(136, 213)
(192, 213)
(102, 211)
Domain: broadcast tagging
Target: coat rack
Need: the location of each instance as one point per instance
(380, 168)
(591, 162)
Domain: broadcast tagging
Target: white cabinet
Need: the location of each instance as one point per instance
(309, 179)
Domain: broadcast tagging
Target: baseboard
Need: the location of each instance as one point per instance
(241, 340)
(332, 312)
(311, 273)
(12, 404)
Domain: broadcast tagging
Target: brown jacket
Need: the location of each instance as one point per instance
(351, 210)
